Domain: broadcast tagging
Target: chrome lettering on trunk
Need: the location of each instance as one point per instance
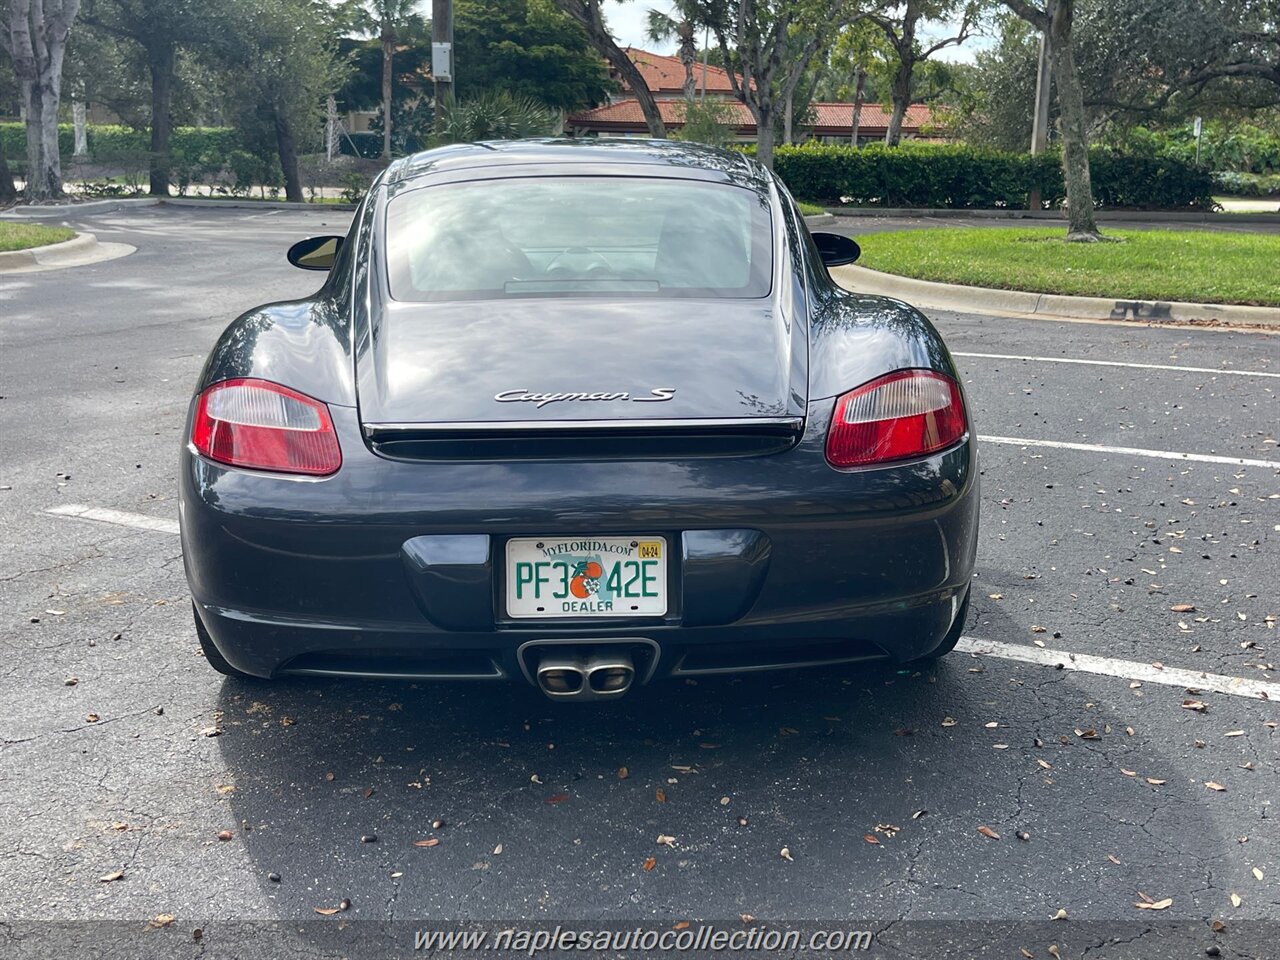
(656, 395)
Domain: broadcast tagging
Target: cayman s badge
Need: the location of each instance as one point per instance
(656, 395)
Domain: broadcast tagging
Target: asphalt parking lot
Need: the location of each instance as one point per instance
(1103, 750)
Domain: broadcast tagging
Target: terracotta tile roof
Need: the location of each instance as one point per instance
(665, 75)
(828, 118)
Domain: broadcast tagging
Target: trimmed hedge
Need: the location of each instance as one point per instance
(112, 143)
(946, 175)
(1263, 186)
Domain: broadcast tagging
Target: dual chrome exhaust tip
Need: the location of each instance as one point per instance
(599, 675)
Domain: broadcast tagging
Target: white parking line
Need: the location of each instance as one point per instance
(138, 521)
(1134, 452)
(1125, 669)
(1118, 363)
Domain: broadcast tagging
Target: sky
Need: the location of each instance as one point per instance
(627, 23)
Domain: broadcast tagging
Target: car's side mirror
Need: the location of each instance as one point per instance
(315, 253)
(836, 250)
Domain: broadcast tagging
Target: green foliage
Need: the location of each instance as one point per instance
(1234, 184)
(23, 236)
(946, 175)
(529, 48)
(112, 143)
(707, 121)
(496, 115)
(1242, 148)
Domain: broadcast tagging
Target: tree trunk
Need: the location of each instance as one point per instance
(787, 112)
(81, 148)
(37, 42)
(858, 91)
(901, 100)
(688, 57)
(388, 55)
(1081, 225)
(161, 60)
(764, 133)
(8, 192)
(587, 14)
(287, 150)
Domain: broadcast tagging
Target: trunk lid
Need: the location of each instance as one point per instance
(443, 366)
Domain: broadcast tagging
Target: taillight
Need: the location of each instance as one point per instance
(905, 414)
(264, 426)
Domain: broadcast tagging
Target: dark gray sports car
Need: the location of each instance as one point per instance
(584, 413)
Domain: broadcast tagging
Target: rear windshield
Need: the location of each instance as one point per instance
(578, 236)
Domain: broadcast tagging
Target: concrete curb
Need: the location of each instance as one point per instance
(80, 250)
(949, 296)
(58, 211)
(255, 204)
(1155, 216)
(819, 219)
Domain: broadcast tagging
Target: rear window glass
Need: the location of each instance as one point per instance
(578, 236)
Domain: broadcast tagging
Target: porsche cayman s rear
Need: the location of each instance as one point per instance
(579, 415)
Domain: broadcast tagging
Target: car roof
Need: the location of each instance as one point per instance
(675, 158)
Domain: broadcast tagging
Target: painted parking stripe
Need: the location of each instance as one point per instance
(1126, 669)
(138, 521)
(1118, 363)
(1134, 452)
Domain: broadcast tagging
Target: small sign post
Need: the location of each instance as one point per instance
(1198, 126)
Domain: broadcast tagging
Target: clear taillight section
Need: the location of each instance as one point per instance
(263, 426)
(906, 414)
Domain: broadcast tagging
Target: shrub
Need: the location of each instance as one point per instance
(365, 145)
(708, 121)
(952, 175)
(1247, 184)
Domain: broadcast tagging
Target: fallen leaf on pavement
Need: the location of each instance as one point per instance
(682, 925)
(557, 798)
(989, 833)
(1129, 773)
(660, 795)
(1046, 764)
(1038, 629)
(109, 877)
(667, 841)
(497, 850)
(429, 842)
(650, 864)
(785, 854)
(949, 721)
(870, 839)
(623, 773)
(1234, 733)
(1258, 874)
(1183, 608)
(161, 920)
(1214, 785)
(225, 835)
(1235, 899)
(1113, 859)
(1199, 706)
(1060, 915)
(327, 911)
(1156, 783)
(1053, 951)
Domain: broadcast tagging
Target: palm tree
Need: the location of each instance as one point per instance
(682, 22)
(391, 21)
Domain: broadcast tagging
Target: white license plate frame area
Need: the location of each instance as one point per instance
(587, 578)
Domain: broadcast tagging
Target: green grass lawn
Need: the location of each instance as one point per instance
(22, 236)
(810, 209)
(1197, 265)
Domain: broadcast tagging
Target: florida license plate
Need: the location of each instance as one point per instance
(591, 577)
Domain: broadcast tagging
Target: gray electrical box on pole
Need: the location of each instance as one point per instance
(441, 56)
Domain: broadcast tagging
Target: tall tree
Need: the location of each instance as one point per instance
(160, 28)
(769, 45)
(391, 21)
(587, 13)
(37, 42)
(900, 24)
(681, 24)
(1055, 20)
(283, 62)
(529, 49)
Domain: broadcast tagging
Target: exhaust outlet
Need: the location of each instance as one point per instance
(559, 676)
(610, 674)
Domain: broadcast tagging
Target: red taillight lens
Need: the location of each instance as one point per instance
(264, 426)
(909, 413)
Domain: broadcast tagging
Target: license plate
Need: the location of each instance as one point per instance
(589, 577)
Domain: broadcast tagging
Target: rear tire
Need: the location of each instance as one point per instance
(211, 653)
(953, 635)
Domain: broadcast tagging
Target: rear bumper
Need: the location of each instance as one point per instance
(392, 569)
